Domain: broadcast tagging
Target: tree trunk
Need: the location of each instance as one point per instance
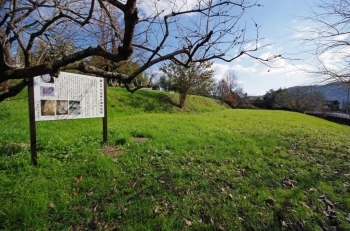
(5, 57)
(183, 96)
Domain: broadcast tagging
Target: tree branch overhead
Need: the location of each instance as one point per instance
(51, 35)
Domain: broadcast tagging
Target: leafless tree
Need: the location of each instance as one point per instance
(228, 90)
(326, 40)
(147, 31)
(231, 80)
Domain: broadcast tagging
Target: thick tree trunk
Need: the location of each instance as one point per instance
(5, 57)
(182, 97)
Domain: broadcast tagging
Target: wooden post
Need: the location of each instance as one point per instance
(105, 127)
(32, 127)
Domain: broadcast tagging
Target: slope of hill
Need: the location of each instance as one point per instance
(142, 101)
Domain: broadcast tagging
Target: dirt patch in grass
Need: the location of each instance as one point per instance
(140, 139)
(13, 148)
(21, 145)
(114, 151)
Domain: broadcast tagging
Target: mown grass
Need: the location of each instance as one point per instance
(166, 169)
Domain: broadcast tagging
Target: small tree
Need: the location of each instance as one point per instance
(229, 91)
(165, 83)
(232, 81)
(270, 98)
(226, 94)
(196, 79)
(335, 105)
(243, 99)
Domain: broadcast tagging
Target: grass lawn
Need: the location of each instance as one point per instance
(202, 168)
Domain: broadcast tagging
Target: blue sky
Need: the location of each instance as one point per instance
(280, 22)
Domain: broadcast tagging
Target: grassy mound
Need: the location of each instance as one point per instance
(122, 102)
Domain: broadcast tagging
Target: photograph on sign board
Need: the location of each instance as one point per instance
(48, 107)
(74, 107)
(47, 78)
(47, 91)
(62, 107)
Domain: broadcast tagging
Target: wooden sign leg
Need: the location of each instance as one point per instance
(32, 126)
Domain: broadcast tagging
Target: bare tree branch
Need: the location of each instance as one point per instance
(55, 35)
(327, 42)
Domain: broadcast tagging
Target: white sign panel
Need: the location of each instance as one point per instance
(70, 96)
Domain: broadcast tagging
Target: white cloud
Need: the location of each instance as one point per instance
(335, 59)
(299, 35)
(244, 69)
(265, 55)
(220, 70)
(342, 37)
(257, 78)
(302, 32)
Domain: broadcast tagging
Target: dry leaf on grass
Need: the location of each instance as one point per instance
(157, 209)
(219, 227)
(326, 200)
(79, 179)
(303, 203)
(52, 205)
(160, 211)
(122, 208)
(289, 182)
(187, 222)
(284, 224)
(348, 217)
(132, 184)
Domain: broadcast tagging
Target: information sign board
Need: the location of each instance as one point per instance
(70, 96)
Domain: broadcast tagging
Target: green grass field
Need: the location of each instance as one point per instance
(205, 167)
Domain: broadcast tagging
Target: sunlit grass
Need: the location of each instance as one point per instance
(211, 169)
